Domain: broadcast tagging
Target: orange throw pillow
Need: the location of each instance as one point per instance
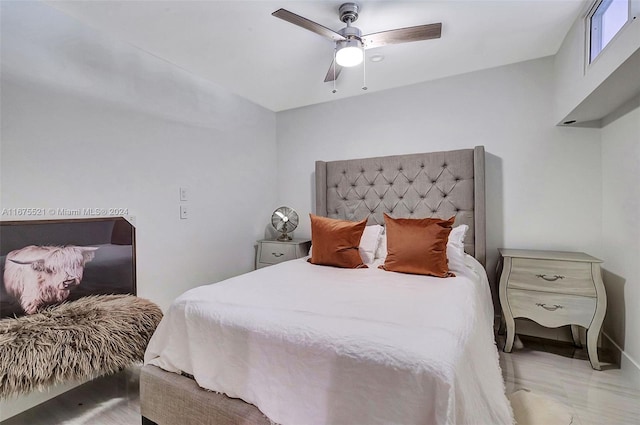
(335, 242)
(418, 246)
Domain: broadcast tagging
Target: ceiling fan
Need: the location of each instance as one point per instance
(350, 43)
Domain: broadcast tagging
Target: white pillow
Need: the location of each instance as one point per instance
(381, 252)
(455, 248)
(368, 243)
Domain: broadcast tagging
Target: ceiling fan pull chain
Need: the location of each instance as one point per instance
(335, 49)
(364, 69)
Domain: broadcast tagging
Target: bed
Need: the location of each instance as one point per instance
(298, 343)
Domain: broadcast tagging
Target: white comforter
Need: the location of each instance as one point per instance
(310, 344)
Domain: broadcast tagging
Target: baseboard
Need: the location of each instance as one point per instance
(12, 406)
(627, 364)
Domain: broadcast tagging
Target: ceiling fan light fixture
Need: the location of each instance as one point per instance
(349, 41)
(350, 53)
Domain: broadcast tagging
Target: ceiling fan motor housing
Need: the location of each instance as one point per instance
(349, 12)
(350, 32)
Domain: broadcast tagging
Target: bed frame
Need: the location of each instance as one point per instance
(437, 184)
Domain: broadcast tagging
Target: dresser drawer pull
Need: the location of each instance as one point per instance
(277, 254)
(549, 279)
(546, 307)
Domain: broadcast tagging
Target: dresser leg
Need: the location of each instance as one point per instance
(592, 348)
(511, 333)
(502, 328)
(504, 303)
(575, 334)
(596, 324)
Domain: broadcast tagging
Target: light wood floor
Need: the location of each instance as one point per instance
(557, 370)
(562, 372)
(109, 400)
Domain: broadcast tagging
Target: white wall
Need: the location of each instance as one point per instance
(574, 79)
(543, 181)
(89, 121)
(620, 231)
(601, 86)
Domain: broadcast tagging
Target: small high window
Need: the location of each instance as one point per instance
(605, 20)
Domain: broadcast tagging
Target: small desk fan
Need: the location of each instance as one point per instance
(284, 220)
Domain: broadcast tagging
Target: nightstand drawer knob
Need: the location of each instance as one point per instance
(549, 279)
(549, 308)
(277, 254)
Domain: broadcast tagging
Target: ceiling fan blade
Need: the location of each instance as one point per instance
(330, 74)
(307, 24)
(402, 35)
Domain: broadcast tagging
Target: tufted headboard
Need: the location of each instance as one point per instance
(437, 184)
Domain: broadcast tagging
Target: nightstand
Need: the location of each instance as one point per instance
(553, 289)
(272, 252)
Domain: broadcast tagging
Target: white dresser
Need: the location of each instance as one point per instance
(553, 288)
(273, 252)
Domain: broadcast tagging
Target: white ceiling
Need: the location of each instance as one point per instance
(240, 46)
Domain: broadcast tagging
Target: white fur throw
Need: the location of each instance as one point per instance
(534, 409)
(75, 340)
